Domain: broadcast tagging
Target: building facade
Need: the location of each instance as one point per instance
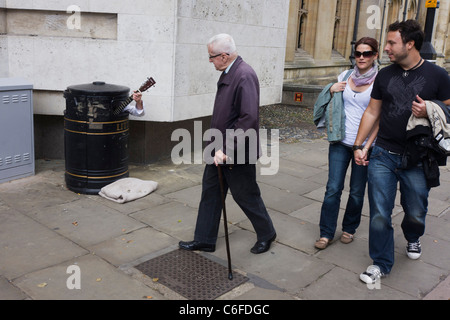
(56, 44)
(295, 46)
(320, 35)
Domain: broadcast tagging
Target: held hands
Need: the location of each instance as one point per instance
(361, 157)
(419, 108)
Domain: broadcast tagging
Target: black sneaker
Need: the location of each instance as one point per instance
(414, 250)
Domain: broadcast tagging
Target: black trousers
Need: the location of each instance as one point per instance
(241, 180)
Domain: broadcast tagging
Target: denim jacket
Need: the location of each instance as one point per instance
(331, 110)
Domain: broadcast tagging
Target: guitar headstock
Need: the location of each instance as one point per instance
(147, 84)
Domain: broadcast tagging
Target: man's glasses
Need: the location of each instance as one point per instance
(365, 54)
(217, 55)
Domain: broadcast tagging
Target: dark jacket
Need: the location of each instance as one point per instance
(422, 145)
(236, 113)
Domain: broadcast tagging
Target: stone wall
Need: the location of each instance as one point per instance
(58, 43)
(124, 42)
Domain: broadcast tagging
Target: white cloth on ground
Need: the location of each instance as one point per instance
(128, 189)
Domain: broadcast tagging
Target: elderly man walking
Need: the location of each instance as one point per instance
(236, 109)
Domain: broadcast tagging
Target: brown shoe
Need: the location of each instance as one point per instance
(322, 243)
(346, 237)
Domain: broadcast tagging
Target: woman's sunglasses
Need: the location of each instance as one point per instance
(365, 54)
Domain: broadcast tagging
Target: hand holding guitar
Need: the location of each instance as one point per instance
(136, 95)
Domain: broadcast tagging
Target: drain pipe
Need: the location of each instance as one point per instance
(419, 5)
(405, 10)
(355, 33)
(427, 52)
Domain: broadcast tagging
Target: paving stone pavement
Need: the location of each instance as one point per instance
(46, 228)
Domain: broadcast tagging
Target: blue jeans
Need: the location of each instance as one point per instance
(385, 173)
(339, 158)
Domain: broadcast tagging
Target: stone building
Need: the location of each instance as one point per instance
(295, 46)
(59, 43)
(320, 33)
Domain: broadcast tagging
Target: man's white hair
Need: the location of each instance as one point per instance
(223, 43)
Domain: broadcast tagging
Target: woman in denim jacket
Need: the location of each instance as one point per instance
(342, 127)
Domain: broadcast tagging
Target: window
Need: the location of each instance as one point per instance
(302, 23)
(412, 10)
(394, 13)
(337, 21)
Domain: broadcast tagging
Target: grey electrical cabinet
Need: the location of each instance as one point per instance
(16, 129)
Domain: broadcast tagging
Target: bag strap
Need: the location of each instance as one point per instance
(347, 75)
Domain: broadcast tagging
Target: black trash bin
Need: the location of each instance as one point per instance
(95, 139)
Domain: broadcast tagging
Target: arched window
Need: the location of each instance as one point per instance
(302, 23)
(412, 10)
(394, 12)
(337, 21)
(342, 32)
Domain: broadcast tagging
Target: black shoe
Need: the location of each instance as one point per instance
(262, 246)
(195, 245)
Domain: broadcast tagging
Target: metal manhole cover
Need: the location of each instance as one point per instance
(191, 275)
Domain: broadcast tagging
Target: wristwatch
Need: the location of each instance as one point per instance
(356, 147)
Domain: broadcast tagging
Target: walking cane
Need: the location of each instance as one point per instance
(222, 193)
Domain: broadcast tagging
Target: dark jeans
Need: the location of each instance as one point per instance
(339, 158)
(384, 175)
(241, 180)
